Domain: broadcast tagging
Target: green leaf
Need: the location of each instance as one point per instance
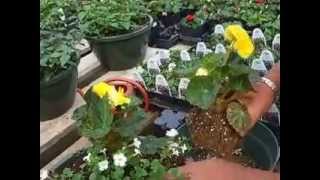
(238, 117)
(158, 171)
(151, 145)
(95, 118)
(131, 125)
(202, 91)
(239, 83)
(117, 174)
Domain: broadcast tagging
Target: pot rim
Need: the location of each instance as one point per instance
(125, 36)
(276, 141)
(58, 77)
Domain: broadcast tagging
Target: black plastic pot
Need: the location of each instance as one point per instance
(198, 32)
(260, 144)
(166, 43)
(170, 19)
(123, 51)
(57, 95)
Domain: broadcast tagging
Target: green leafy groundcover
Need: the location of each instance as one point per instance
(57, 54)
(103, 18)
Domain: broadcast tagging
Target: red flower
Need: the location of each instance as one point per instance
(190, 18)
(260, 1)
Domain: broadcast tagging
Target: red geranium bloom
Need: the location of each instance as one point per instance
(190, 18)
(260, 1)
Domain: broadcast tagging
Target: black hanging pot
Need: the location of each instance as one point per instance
(58, 94)
(122, 51)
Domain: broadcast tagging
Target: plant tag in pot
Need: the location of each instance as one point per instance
(164, 56)
(185, 56)
(162, 85)
(258, 65)
(171, 66)
(257, 34)
(267, 58)
(220, 49)
(183, 85)
(276, 43)
(218, 29)
(201, 48)
(153, 66)
(137, 76)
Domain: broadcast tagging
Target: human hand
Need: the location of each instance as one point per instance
(260, 99)
(223, 170)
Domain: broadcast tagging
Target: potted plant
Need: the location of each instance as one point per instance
(112, 121)
(168, 12)
(215, 88)
(194, 25)
(58, 57)
(117, 31)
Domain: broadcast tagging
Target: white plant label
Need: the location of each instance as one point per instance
(171, 66)
(257, 64)
(267, 56)
(183, 85)
(153, 66)
(164, 54)
(162, 85)
(276, 41)
(258, 34)
(220, 49)
(218, 29)
(201, 48)
(185, 56)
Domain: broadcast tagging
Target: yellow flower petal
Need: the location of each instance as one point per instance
(240, 40)
(243, 48)
(100, 89)
(117, 98)
(202, 72)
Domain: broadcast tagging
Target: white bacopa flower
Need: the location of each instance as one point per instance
(184, 148)
(87, 157)
(62, 16)
(136, 142)
(104, 150)
(103, 165)
(175, 152)
(172, 133)
(119, 160)
(137, 151)
(44, 174)
(164, 14)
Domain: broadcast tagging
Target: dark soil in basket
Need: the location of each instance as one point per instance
(214, 137)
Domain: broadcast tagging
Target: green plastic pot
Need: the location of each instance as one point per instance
(58, 94)
(123, 51)
(260, 143)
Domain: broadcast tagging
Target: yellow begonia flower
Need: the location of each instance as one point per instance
(202, 72)
(241, 41)
(117, 98)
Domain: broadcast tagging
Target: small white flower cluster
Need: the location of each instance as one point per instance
(119, 160)
(172, 133)
(174, 147)
(103, 165)
(137, 144)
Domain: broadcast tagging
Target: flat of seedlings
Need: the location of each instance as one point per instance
(212, 136)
